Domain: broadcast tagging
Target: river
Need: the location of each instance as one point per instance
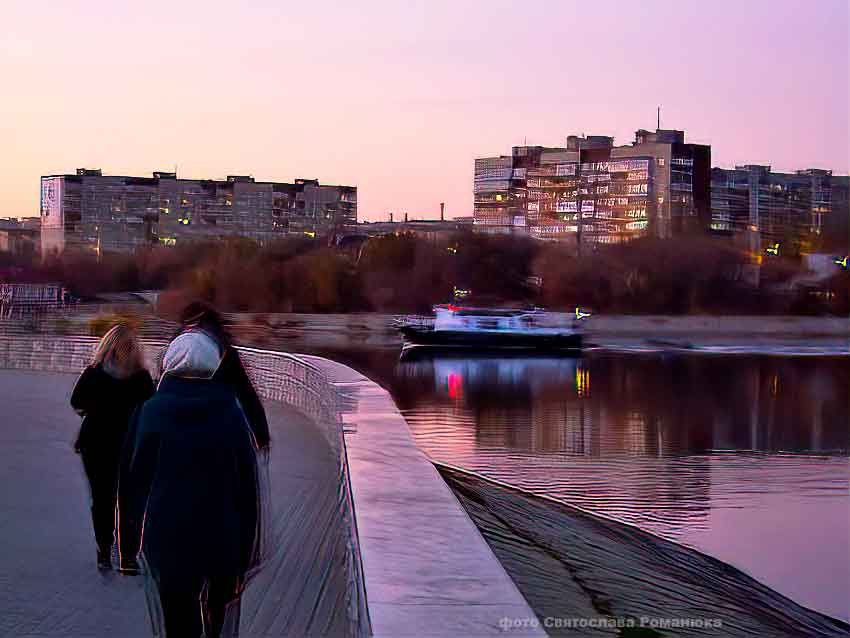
(743, 457)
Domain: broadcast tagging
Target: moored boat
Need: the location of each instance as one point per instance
(455, 326)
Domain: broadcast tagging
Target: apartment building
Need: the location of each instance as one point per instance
(89, 211)
(804, 210)
(593, 192)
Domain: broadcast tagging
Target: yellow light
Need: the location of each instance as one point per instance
(309, 233)
(582, 382)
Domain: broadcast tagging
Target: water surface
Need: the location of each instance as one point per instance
(742, 457)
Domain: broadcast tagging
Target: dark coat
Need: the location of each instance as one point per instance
(107, 403)
(189, 482)
(232, 372)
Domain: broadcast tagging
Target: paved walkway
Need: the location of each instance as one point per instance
(428, 571)
(48, 582)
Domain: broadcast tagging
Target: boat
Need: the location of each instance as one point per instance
(455, 327)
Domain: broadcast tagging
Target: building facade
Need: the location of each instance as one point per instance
(90, 211)
(593, 192)
(20, 236)
(803, 211)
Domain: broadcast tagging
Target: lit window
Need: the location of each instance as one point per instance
(661, 161)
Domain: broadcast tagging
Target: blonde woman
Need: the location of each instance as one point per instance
(107, 393)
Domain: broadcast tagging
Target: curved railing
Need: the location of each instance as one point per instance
(277, 376)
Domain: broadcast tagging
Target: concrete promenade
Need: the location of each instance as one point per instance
(428, 571)
(48, 582)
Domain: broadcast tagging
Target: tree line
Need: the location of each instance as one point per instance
(406, 273)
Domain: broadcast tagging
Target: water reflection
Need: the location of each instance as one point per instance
(742, 457)
(647, 405)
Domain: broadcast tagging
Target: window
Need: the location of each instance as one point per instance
(661, 161)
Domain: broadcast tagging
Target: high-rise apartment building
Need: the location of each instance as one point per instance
(761, 208)
(92, 211)
(594, 192)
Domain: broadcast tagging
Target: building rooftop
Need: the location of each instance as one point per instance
(160, 175)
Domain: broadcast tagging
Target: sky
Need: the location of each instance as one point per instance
(399, 97)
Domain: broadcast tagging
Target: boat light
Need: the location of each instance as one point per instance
(582, 314)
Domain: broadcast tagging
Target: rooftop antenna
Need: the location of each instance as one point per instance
(442, 211)
(659, 119)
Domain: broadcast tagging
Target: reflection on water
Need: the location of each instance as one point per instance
(745, 458)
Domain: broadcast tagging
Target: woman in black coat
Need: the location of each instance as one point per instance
(190, 491)
(201, 316)
(106, 395)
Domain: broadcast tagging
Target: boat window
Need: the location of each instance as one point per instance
(488, 324)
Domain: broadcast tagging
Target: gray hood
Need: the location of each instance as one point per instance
(192, 354)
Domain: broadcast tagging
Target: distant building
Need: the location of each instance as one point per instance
(760, 208)
(95, 212)
(430, 229)
(20, 236)
(591, 191)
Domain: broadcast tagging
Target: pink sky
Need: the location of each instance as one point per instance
(398, 98)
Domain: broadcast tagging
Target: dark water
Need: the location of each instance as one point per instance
(742, 457)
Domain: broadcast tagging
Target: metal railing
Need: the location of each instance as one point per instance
(277, 376)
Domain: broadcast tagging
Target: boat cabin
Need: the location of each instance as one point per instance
(449, 317)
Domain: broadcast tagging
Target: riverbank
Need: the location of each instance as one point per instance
(831, 335)
(574, 567)
(295, 332)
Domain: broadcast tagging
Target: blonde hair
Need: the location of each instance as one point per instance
(119, 352)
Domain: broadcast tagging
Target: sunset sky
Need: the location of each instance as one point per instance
(398, 97)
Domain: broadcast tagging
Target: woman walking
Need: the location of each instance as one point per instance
(199, 316)
(190, 493)
(106, 395)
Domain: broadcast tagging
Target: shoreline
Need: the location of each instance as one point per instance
(578, 564)
(829, 336)
(294, 331)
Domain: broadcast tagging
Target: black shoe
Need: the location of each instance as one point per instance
(104, 558)
(129, 567)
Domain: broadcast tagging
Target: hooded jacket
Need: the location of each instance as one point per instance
(231, 371)
(189, 482)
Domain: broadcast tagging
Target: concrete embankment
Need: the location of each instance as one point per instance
(427, 570)
(573, 566)
(829, 334)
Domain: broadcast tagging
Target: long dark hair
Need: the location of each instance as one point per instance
(200, 315)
